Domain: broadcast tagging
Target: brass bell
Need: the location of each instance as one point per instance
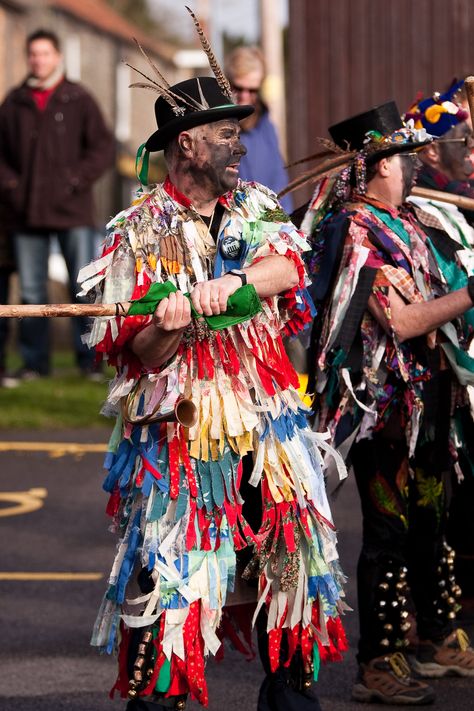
(382, 603)
(389, 575)
(381, 615)
(404, 614)
(405, 626)
(444, 594)
(132, 694)
(384, 586)
(394, 603)
(400, 586)
(451, 615)
(180, 705)
(388, 627)
(147, 637)
(149, 672)
(451, 601)
(385, 642)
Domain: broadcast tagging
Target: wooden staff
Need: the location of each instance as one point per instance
(461, 201)
(55, 310)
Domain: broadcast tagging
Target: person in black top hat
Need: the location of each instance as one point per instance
(387, 345)
(177, 488)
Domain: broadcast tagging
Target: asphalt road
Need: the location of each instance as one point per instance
(56, 526)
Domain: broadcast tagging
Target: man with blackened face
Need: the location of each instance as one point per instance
(225, 253)
(212, 153)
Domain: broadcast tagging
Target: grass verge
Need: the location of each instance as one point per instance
(65, 400)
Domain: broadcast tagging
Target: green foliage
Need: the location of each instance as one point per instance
(64, 400)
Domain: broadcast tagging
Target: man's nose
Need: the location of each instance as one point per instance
(240, 148)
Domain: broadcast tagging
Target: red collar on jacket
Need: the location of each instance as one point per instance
(393, 211)
(180, 198)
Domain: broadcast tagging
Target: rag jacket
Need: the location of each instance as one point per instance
(174, 492)
(367, 380)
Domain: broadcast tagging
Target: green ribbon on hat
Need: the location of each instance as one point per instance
(242, 305)
(142, 172)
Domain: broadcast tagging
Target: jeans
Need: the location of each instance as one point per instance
(32, 254)
(4, 282)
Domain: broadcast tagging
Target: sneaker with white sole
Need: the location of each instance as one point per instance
(454, 656)
(387, 680)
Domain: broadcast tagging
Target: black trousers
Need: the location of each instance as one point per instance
(404, 522)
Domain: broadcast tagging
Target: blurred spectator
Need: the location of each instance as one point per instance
(263, 163)
(53, 145)
(7, 266)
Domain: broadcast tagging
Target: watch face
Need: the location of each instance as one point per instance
(231, 247)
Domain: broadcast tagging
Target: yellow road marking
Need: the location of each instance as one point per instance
(51, 576)
(55, 449)
(26, 501)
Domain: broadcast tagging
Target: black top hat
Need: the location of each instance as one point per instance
(380, 132)
(196, 102)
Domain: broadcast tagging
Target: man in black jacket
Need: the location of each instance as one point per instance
(54, 145)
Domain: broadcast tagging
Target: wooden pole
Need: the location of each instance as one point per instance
(461, 201)
(56, 310)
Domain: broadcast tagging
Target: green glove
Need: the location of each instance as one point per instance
(241, 306)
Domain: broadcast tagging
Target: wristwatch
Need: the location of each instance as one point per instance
(242, 275)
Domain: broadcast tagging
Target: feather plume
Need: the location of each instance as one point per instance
(213, 63)
(166, 93)
(330, 146)
(160, 76)
(327, 166)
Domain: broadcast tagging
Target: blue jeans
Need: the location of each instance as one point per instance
(32, 253)
(4, 282)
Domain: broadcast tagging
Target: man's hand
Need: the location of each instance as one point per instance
(210, 297)
(172, 313)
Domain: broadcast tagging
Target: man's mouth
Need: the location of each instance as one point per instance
(234, 167)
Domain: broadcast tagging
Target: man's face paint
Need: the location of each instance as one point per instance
(410, 165)
(455, 154)
(217, 154)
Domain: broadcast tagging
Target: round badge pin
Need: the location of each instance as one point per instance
(231, 247)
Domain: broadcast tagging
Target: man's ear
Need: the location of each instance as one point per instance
(384, 169)
(185, 143)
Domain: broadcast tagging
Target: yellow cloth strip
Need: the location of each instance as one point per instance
(51, 576)
(61, 447)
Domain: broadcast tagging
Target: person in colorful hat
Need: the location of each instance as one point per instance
(446, 164)
(445, 171)
(387, 341)
(175, 486)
